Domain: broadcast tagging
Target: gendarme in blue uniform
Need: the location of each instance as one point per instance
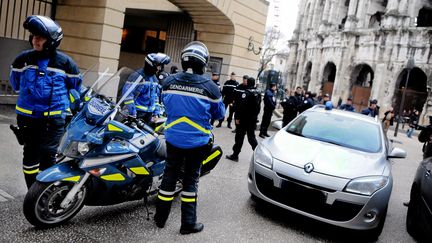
(44, 83)
(145, 97)
(190, 102)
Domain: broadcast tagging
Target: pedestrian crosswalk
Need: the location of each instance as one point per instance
(4, 196)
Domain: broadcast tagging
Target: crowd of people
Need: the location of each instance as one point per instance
(45, 77)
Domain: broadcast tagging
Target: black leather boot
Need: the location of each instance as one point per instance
(190, 229)
(163, 209)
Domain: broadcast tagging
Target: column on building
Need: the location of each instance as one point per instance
(310, 15)
(317, 15)
(334, 14)
(325, 17)
(351, 21)
(404, 12)
(300, 19)
(361, 14)
(292, 72)
(392, 11)
(96, 37)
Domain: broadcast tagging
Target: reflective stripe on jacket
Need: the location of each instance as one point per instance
(43, 83)
(190, 101)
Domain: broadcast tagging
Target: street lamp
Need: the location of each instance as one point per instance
(410, 66)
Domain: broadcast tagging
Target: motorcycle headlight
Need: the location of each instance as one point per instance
(83, 147)
(263, 157)
(75, 149)
(366, 185)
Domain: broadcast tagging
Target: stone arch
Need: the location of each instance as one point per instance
(307, 74)
(362, 75)
(424, 18)
(375, 20)
(328, 78)
(361, 81)
(416, 90)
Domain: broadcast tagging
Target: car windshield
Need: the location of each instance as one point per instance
(336, 129)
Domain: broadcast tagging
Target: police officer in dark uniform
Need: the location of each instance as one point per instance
(43, 76)
(191, 100)
(228, 98)
(144, 101)
(247, 110)
(308, 102)
(269, 107)
(238, 91)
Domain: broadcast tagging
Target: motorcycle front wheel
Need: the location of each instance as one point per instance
(42, 203)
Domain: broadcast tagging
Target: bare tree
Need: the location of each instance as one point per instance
(269, 50)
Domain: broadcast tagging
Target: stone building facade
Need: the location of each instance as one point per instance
(360, 48)
(117, 33)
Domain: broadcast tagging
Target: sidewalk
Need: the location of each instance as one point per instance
(7, 114)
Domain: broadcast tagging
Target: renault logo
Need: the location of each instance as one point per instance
(308, 168)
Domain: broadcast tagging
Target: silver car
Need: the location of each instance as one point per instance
(330, 165)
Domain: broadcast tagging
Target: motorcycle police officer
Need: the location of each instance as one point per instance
(144, 101)
(191, 100)
(43, 76)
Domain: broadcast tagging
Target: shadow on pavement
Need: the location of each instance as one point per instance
(305, 226)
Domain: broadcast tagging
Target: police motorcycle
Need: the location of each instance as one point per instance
(107, 162)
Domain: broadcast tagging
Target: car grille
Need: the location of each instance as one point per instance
(306, 199)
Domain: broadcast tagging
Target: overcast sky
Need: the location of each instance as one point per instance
(288, 16)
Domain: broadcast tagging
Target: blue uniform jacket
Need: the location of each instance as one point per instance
(145, 97)
(269, 100)
(190, 101)
(44, 83)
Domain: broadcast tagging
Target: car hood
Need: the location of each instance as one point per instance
(326, 158)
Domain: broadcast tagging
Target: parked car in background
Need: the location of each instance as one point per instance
(330, 165)
(419, 215)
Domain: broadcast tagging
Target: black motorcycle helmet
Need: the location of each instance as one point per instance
(153, 60)
(195, 56)
(45, 27)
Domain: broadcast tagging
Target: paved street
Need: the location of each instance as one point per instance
(224, 207)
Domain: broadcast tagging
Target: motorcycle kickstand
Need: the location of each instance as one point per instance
(71, 194)
(146, 207)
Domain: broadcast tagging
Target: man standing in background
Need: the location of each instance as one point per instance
(228, 98)
(269, 106)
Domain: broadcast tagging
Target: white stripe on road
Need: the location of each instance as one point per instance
(4, 195)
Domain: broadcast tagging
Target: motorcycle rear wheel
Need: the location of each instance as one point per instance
(42, 203)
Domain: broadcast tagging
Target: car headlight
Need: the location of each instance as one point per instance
(83, 147)
(263, 156)
(366, 185)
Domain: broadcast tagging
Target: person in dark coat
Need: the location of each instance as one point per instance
(290, 106)
(269, 106)
(228, 98)
(238, 92)
(372, 110)
(308, 102)
(247, 110)
(348, 106)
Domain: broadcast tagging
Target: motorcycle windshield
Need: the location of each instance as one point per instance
(101, 108)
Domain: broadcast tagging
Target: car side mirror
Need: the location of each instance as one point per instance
(397, 153)
(277, 124)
